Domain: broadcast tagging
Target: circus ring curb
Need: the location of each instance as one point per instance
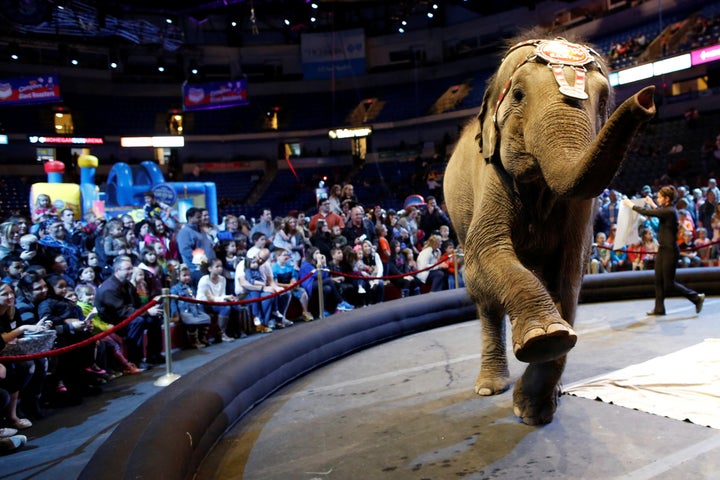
(170, 434)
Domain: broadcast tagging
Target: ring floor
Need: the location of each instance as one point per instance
(406, 410)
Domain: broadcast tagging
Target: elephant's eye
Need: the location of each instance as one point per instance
(518, 95)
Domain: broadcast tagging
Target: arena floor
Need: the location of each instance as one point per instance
(406, 410)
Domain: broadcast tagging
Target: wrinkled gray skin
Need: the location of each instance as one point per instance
(520, 196)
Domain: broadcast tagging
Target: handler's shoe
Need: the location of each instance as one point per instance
(699, 303)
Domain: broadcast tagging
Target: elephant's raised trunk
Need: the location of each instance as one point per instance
(596, 168)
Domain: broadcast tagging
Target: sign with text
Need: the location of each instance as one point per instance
(56, 140)
(210, 95)
(333, 54)
(705, 55)
(30, 90)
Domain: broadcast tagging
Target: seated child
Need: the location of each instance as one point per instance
(191, 314)
(113, 342)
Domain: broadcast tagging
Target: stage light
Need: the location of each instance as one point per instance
(233, 24)
(287, 22)
(314, 6)
(113, 65)
(74, 61)
(430, 15)
(14, 51)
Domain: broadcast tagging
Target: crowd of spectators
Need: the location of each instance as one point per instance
(698, 231)
(79, 277)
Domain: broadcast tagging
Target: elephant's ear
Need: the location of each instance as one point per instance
(488, 134)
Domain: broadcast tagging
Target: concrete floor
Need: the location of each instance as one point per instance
(405, 409)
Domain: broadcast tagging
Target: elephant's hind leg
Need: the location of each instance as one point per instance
(494, 377)
(536, 393)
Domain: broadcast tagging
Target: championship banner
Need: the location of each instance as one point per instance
(338, 54)
(30, 90)
(207, 96)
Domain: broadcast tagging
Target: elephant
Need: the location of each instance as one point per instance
(520, 188)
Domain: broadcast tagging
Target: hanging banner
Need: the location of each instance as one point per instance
(30, 90)
(338, 54)
(206, 96)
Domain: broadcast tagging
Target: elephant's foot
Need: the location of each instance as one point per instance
(537, 342)
(535, 409)
(487, 385)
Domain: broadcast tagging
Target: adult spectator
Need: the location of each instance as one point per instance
(359, 228)
(54, 244)
(325, 213)
(9, 239)
(116, 299)
(433, 218)
(31, 291)
(233, 231)
(14, 376)
(332, 299)
(128, 222)
(712, 187)
(208, 228)
(322, 238)
(73, 229)
(290, 239)
(429, 256)
(190, 238)
(335, 199)
(609, 211)
(348, 194)
(706, 211)
(266, 226)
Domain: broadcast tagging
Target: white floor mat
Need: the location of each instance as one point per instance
(684, 385)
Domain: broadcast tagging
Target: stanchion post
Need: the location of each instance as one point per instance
(169, 376)
(321, 297)
(455, 269)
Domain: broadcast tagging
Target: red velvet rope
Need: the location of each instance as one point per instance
(137, 313)
(386, 277)
(155, 301)
(87, 341)
(644, 252)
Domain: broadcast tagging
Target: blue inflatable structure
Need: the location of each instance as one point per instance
(126, 186)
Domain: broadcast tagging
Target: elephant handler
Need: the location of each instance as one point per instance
(668, 252)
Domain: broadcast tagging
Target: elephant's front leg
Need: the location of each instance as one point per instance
(536, 393)
(494, 374)
(539, 333)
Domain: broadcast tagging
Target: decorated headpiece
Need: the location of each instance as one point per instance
(556, 54)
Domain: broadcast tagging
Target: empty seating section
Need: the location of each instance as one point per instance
(387, 182)
(650, 157)
(286, 192)
(16, 194)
